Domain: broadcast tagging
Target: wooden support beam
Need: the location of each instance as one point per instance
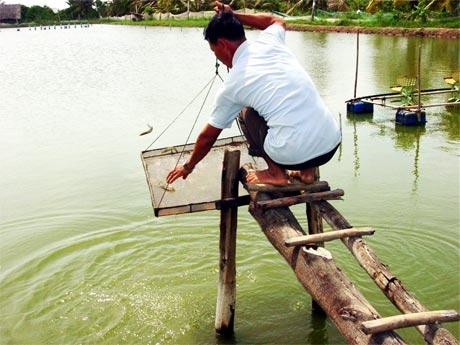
(315, 226)
(327, 236)
(409, 320)
(302, 198)
(317, 272)
(226, 294)
(317, 186)
(390, 285)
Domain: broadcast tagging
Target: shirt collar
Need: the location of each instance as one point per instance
(242, 47)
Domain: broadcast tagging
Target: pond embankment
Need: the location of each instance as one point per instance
(395, 31)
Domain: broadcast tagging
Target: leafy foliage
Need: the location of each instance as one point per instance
(39, 14)
(398, 10)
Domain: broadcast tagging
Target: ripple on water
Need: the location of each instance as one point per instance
(115, 283)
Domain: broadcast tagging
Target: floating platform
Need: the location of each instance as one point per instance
(360, 107)
(389, 99)
(410, 117)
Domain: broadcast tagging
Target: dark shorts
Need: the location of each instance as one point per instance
(255, 130)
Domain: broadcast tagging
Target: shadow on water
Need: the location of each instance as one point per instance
(318, 327)
(226, 339)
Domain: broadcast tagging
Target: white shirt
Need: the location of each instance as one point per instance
(266, 76)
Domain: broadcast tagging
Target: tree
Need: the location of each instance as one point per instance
(102, 8)
(119, 8)
(81, 8)
(39, 14)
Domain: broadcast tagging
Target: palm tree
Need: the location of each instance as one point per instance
(80, 8)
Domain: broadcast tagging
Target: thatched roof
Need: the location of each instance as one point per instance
(8, 12)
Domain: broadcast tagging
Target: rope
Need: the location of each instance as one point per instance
(181, 113)
(210, 83)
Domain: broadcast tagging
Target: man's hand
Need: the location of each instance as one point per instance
(177, 172)
(204, 142)
(259, 21)
(219, 5)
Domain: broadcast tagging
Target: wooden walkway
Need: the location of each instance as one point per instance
(314, 266)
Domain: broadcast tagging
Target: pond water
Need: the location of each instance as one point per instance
(83, 259)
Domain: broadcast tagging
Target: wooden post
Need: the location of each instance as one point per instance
(226, 294)
(315, 226)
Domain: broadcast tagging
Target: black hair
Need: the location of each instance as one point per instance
(224, 25)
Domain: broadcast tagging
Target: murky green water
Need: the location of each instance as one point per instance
(83, 260)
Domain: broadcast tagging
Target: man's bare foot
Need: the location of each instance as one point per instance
(306, 176)
(267, 177)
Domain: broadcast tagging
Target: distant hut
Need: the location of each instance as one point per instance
(10, 14)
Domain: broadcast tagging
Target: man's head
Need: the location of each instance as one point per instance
(224, 34)
(224, 25)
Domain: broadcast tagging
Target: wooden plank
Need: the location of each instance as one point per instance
(409, 320)
(202, 206)
(291, 187)
(226, 293)
(175, 210)
(232, 202)
(388, 283)
(327, 236)
(302, 198)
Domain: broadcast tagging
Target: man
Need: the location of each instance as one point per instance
(280, 111)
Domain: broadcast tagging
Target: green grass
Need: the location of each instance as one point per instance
(376, 21)
(379, 20)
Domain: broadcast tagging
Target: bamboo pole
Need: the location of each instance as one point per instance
(408, 320)
(357, 64)
(327, 236)
(409, 107)
(226, 294)
(389, 95)
(390, 285)
(419, 84)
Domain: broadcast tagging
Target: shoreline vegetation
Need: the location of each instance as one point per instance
(431, 18)
(446, 28)
(409, 29)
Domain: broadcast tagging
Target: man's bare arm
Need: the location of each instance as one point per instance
(204, 143)
(259, 21)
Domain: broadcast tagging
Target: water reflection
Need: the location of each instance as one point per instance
(407, 138)
(354, 119)
(439, 57)
(450, 122)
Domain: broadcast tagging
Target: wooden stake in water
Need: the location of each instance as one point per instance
(419, 85)
(226, 294)
(357, 63)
